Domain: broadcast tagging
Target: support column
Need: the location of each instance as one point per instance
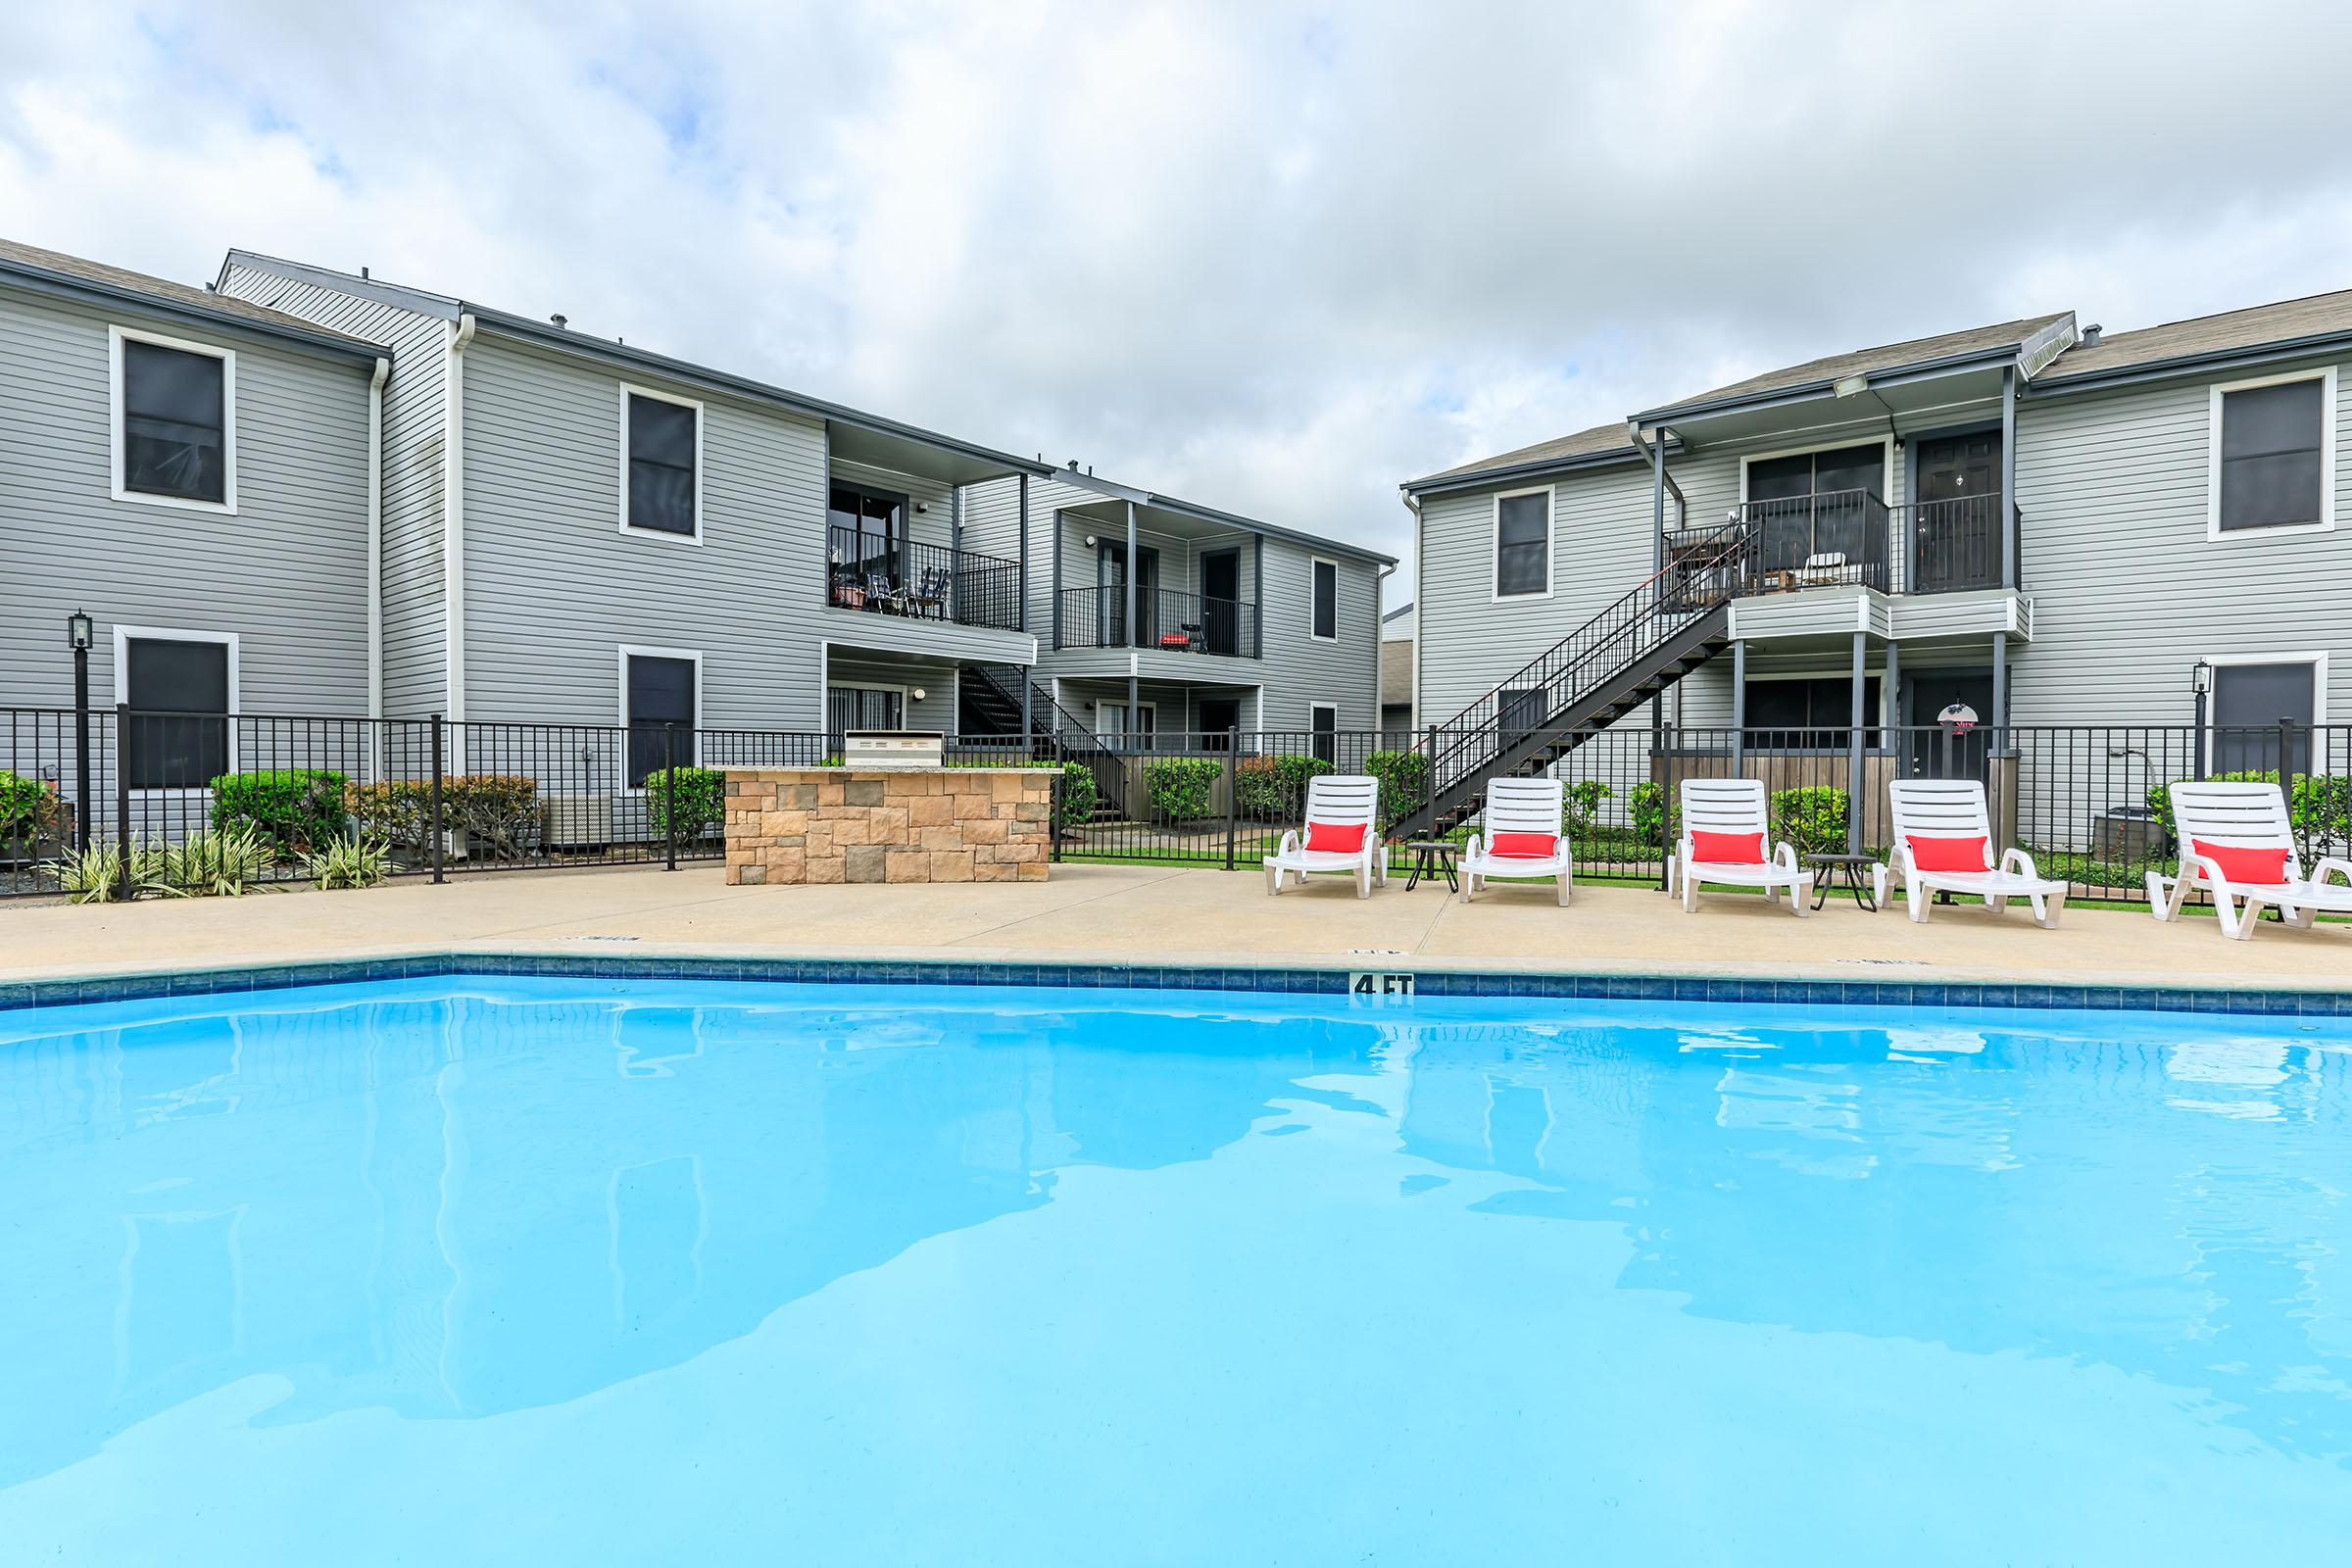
(1257, 590)
(1053, 545)
(2006, 522)
(955, 554)
(1024, 570)
(1738, 707)
(2000, 691)
(1127, 577)
(1895, 705)
(1657, 528)
(1853, 755)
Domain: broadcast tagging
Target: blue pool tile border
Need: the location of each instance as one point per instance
(2275, 1002)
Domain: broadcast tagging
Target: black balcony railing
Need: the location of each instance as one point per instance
(889, 577)
(1831, 539)
(1178, 622)
(1954, 543)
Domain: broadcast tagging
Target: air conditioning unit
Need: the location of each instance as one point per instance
(578, 821)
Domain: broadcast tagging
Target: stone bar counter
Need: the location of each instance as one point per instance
(888, 824)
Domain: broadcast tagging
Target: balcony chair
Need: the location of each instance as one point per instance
(1523, 836)
(2237, 843)
(1725, 831)
(1826, 568)
(1342, 835)
(1943, 844)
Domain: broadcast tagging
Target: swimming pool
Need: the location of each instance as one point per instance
(539, 1270)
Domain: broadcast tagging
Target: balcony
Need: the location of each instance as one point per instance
(1837, 538)
(1953, 545)
(889, 577)
(1172, 622)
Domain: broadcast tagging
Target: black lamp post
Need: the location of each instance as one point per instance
(2200, 679)
(79, 631)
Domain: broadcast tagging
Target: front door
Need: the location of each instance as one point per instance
(1220, 716)
(1221, 600)
(1125, 730)
(1111, 582)
(1955, 524)
(1928, 693)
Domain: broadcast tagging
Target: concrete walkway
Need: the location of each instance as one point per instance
(1141, 914)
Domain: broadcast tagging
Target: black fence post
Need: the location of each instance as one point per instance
(122, 798)
(1056, 799)
(434, 827)
(1232, 751)
(2286, 776)
(81, 749)
(670, 794)
(1666, 835)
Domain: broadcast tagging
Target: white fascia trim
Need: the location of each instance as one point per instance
(116, 336)
(1312, 562)
(630, 390)
(1551, 503)
(124, 636)
(2214, 530)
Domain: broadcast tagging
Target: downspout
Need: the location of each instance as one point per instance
(375, 563)
(1412, 503)
(452, 532)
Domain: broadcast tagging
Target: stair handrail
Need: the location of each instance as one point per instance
(1701, 561)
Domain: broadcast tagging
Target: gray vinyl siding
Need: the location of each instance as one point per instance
(554, 588)
(935, 679)
(287, 573)
(415, 663)
(2127, 591)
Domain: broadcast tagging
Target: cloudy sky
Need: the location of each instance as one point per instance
(1270, 256)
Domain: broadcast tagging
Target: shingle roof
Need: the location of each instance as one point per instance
(1864, 362)
(1595, 442)
(2256, 327)
(14, 254)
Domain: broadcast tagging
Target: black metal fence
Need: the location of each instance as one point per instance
(200, 799)
(1165, 619)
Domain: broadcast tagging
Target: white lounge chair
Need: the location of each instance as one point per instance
(1528, 807)
(1947, 815)
(1349, 804)
(2244, 816)
(1735, 806)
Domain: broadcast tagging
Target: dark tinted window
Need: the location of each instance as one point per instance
(1809, 715)
(2248, 702)
(660, 694)
(660, 465)
(1327, 599)
(2270, 455)
(175, 422)
(1324, 722)
(164, 679)
(1522, 544)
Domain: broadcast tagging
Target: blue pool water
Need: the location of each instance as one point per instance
(541, 1271)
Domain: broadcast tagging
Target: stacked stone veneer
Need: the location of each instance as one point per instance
(833, 824)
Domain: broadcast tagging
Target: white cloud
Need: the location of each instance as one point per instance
(1272, 257)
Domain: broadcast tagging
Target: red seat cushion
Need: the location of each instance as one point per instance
(1951, 854)
(2241, 862)
(1329, 838)
(1727, 848)
(1525, 846)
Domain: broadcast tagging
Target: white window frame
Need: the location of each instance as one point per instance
(2325, 376)
(630, 390)
(1494, 593)
(905, 694)
(1887, 465)
(1141, 705)
(116, 336)
(1313, 707)
(2316, 659)
(1882, 721)
(124, 636)
(1312, 562)
(629, 651)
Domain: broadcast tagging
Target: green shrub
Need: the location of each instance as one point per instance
(1813, 820)
(1404, 783)
(701, 798)
(1179, 787)
(292, 809)
(1648, 809)
(1579, 807)
(348, 863)
(221, 861)
(498, 812)
(1075, 801)
(1273, 788)
(396, 813)
(29, 808)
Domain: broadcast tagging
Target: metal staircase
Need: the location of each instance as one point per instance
(1645, 642)
(988, 702)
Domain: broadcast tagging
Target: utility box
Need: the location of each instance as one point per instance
(893, 747)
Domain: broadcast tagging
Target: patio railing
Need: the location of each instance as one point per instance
(884, 576)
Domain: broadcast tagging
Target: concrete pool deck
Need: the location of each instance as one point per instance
(1148, 914)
